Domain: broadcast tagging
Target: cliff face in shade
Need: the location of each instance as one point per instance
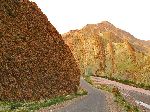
(35, 63)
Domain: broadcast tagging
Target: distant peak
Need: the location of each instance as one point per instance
(107, 23)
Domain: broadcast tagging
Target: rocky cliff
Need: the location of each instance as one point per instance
(35, 63)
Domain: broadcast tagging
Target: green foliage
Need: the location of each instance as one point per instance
(88, 79)
(118, 98)
(128, 82)
(36, 105)
(88, 71)
(81, 92)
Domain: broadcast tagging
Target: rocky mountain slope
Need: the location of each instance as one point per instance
(35, 63)
(118, 35)
(103, 49)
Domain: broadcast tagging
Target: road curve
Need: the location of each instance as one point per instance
(136, 94)
(93, 102)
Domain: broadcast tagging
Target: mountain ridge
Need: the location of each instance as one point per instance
(103, 49)
(104, 26)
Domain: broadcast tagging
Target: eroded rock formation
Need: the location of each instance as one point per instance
(35, 63)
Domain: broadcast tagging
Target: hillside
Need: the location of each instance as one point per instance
(35, 63)
(102, 49)
(105, 26)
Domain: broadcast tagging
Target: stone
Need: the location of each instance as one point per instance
(35, 63)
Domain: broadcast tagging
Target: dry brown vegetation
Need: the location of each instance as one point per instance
(35, 63)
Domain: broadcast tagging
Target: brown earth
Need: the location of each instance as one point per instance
(111, 32)
(104, 50)
(35, 63)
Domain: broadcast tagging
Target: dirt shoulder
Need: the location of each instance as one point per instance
(112, 105)
(130, 93)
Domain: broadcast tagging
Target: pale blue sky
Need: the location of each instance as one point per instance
(130, 15)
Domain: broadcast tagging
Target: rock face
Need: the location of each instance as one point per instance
(35, 63)
(104, 50)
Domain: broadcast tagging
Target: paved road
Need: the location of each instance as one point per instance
(93, 102)
(137, 94)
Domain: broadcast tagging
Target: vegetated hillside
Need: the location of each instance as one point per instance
(105, 26)
(35, 63)
(102, 49)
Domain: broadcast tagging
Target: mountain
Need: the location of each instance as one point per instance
(102, 49)
(105, 26)
(35, 63)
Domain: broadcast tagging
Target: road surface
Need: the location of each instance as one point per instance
(137, 94)
(93, 102)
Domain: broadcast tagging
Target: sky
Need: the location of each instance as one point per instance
(130, 15)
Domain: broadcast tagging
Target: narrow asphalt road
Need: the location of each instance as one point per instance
(137, 94)
(93, 102)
